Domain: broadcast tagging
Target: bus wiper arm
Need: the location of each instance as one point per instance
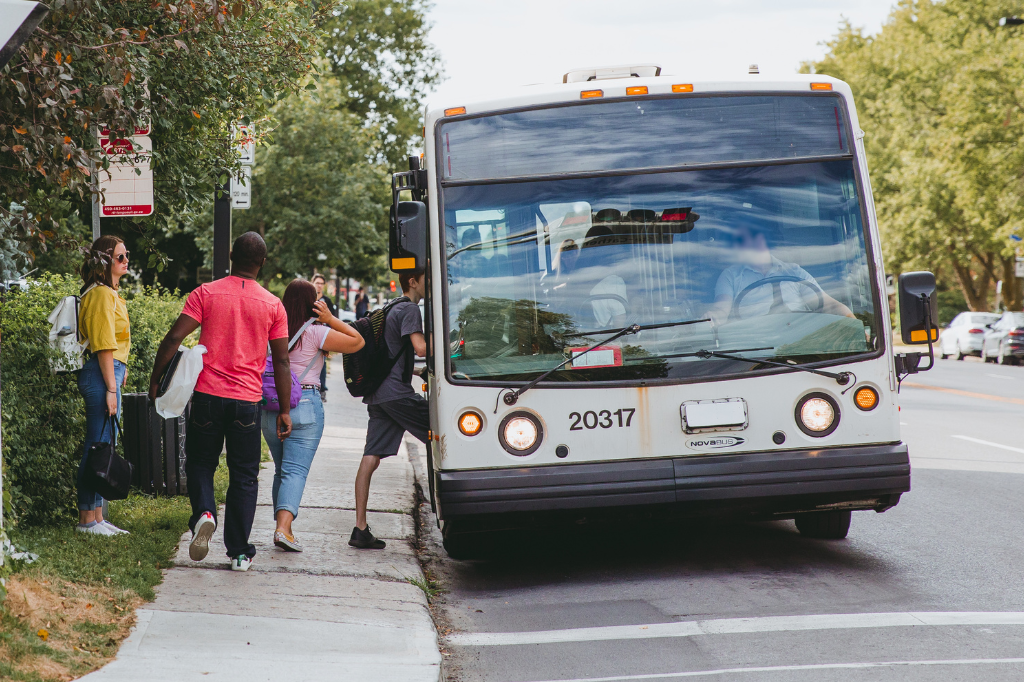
(512, 397)
(841, 378)
(642, 327)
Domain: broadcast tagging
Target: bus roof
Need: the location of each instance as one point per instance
(616, 88)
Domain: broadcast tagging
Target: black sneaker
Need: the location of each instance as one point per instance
(363, 539)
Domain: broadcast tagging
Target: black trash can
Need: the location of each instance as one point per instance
(155, 446)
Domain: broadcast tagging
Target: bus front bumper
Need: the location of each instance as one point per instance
(767, 483)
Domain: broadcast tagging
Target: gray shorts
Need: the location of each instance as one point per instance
(390, 420)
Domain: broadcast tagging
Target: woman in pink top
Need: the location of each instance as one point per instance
(293, 457)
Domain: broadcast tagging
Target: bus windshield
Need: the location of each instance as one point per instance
(768, 262)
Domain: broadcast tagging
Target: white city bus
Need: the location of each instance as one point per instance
(648, 290)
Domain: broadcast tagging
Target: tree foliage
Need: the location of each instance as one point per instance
(380, 54)
(939, 93)
(191, 67)
(318, 190)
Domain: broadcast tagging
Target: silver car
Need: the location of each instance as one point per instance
(964, 334)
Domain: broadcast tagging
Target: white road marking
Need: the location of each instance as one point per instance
(991, 444)
(790, 668)
(904, 424)
(731, 626)
(999, 376)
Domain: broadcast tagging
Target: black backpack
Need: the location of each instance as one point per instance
(366, 369)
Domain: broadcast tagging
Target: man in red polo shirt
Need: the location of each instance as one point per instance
(238, 318)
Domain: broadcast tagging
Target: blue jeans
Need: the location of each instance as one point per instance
(293, 457)
(97, 423)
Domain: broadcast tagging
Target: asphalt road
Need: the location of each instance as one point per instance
(649, 600)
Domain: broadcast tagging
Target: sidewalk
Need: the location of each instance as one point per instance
(329, 613)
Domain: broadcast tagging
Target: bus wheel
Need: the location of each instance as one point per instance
(460, 546)
(832, 525)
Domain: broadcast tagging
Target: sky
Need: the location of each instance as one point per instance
(489, 46)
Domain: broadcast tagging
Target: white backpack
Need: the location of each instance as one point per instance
(64, 336)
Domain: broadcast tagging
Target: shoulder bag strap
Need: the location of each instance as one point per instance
(298, 334)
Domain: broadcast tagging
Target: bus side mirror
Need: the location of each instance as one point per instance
(919, 308)
(408, 240)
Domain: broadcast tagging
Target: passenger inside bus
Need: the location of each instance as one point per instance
(761, 284)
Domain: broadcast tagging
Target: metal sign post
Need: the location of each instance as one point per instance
(222, 231)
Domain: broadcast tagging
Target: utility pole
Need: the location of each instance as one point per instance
(222, 231)
(95, 189)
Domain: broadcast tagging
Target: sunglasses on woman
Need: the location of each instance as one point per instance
(123, 257)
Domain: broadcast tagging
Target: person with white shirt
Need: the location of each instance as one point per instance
(757, 264)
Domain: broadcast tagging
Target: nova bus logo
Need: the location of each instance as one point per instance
(715, 443)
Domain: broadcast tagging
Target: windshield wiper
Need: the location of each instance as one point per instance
(841, 378)
(512, 397)
(642, 327)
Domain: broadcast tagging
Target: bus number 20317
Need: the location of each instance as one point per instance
(606, 419)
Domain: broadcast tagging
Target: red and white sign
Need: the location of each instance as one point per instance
(127, 184)
(602, 356)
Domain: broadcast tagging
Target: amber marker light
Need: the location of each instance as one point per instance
(866, 398)
(821, 86)
(637, 90)
(682, 87)
(591, 94)
(456, 111)
(470, 423)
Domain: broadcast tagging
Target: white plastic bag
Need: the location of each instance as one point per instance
(171, 404)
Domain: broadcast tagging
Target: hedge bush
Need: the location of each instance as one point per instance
(43, 414)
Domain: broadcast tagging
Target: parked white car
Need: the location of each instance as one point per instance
(964, 334)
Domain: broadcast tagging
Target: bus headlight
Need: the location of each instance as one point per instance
(520, 433)
(470, 423)
(817, 414)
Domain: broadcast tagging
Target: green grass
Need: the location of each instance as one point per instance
(431, 588)
(125, 562)
(110, 572)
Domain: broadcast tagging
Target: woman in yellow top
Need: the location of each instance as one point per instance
(103, 323)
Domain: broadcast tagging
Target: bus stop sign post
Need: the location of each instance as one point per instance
(222, 231)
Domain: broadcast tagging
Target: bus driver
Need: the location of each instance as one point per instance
(783, 291)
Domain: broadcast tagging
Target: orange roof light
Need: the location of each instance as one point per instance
(637, 90)
(821, 86)
(590, 94)
(683, 87)
(455, 111)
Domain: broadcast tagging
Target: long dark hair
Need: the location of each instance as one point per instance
(298, 304)
(96, 268)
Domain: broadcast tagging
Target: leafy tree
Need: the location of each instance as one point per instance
(380, 53)
(319, 190)
(191, 67)
(939, 96)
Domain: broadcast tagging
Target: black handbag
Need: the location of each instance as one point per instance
(108, 473)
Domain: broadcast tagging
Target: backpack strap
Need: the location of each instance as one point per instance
(298, 335)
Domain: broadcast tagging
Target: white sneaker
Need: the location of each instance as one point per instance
(241, 563)
(112, 527)
(200, 545)
(95, 529)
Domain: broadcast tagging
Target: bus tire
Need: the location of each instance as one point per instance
(833, 525)
(460, 546)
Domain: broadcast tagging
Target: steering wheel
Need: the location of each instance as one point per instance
(586, 308)
(778, 306)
